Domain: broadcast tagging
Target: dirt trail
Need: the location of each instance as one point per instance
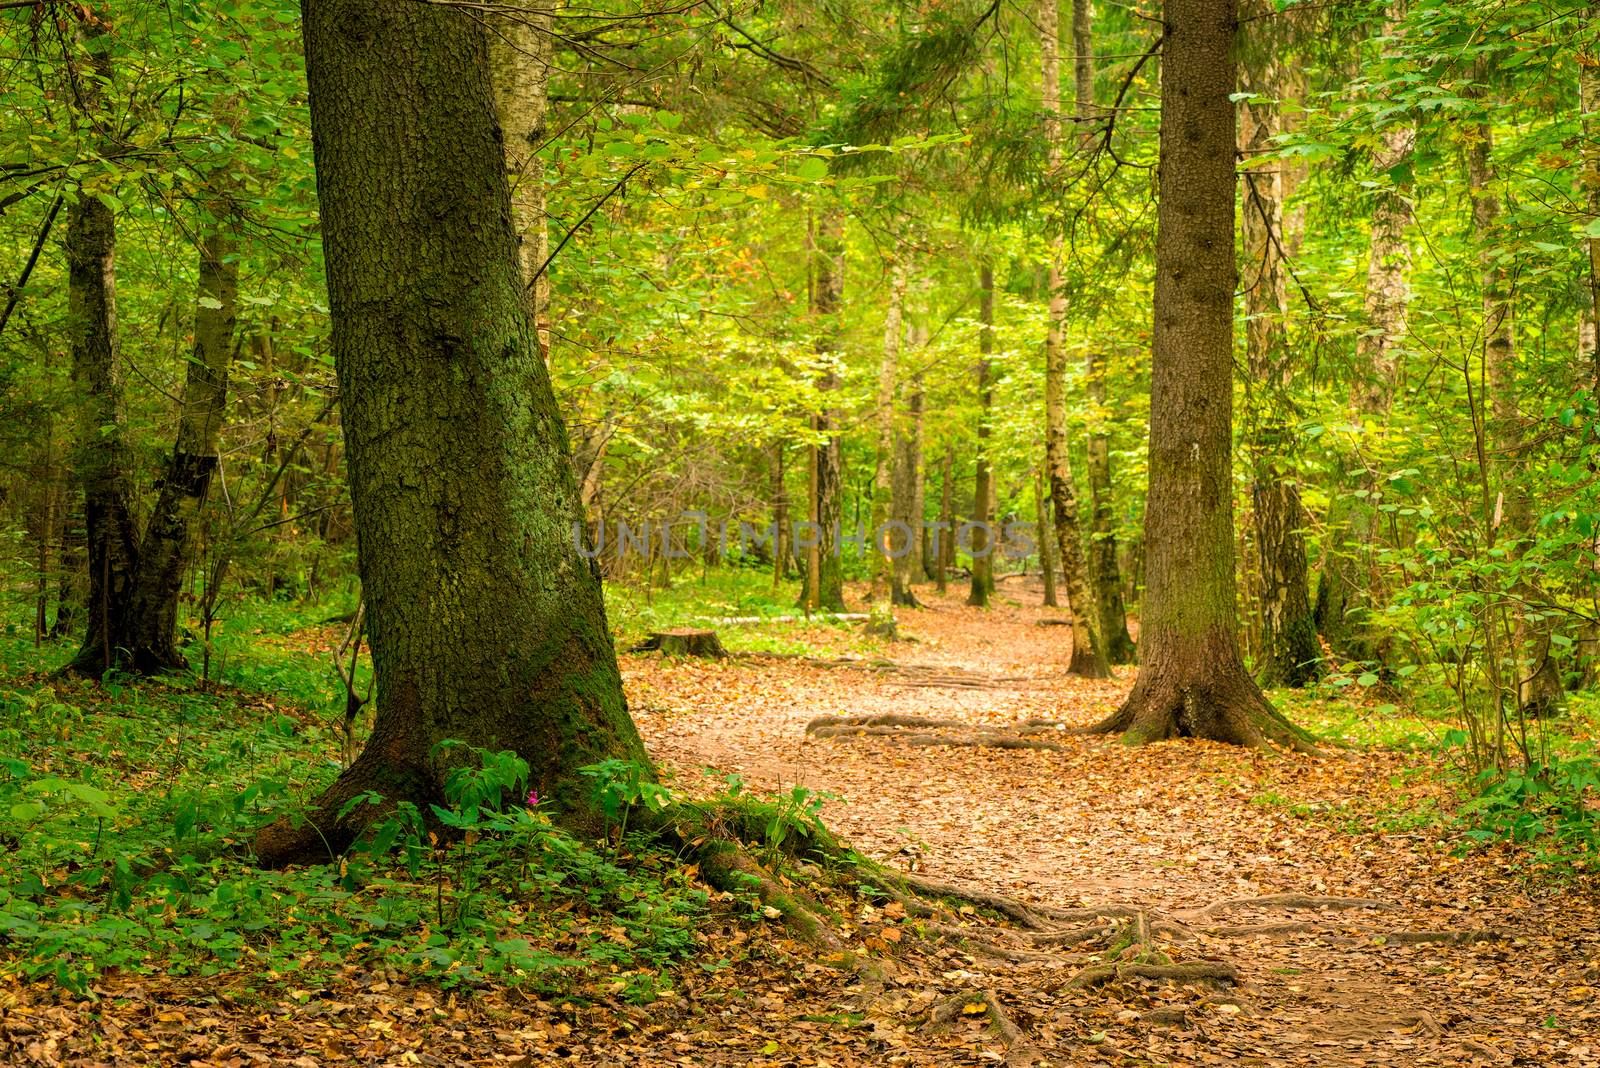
(1174, 828)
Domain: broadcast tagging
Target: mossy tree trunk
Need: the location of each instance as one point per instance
(1088, 658)
(103, 459)
(168, 542)
(1105, 572)
(1289, 653)
(1192, 680)
(486, 626)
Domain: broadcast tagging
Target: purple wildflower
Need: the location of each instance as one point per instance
(533, 799)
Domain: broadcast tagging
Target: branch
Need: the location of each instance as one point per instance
(586, 217)
(33, 258)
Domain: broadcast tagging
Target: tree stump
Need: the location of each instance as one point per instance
(683, 642)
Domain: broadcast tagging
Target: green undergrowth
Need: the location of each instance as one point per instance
(127, 808)
(1546, 802)
(770, 621)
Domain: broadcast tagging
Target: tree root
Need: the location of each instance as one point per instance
(1019, 1050)
(1296, 901)
(833, 726)
(916, 730)
(1009, 907)
(1195, 972)
(1449, 938)
(965, 937)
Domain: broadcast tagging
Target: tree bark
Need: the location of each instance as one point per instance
(916, 561)
(981, 587)
(1046, 532)
(1192, 680)
(1105, 573)
(824, 586)
(487, 627)
(1088, 656)
(1589, 176)
(520, 50)
(103, 458)
(1288, 653)
(883, 470)
(1537, 680)
(168, 540)
(1347, 586)
(906, 508)
(944, 533)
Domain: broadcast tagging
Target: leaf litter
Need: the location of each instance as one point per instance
(1185, 903)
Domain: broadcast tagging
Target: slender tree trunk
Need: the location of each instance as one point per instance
(1192, 680)
(982, 585)
(919, 485)
(169, 536)
(944, 534)
(883, 471)
(520, 55)
(906, 505)
(103, 458)
(1088, 656)
(1348, 585)
(1288, 652)
(1046, 532)
(1589, 102)
(1538, 681)
(824, 580)
(780, 518)
(1105, 575)
(487, 627)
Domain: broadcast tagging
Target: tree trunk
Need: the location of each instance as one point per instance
(1589, 176)
(168, 542)
(1105, 575)
(883, 471)
(1088, 657)
(824, 587)
(1192, 680)
(1288, 652)
(905, 504)
(1046, 532)
(780, 518)
(520, 55)
(982, 585)
(916, 563)
(487, 627)
(1348, 583)
(944, 533)
(103, 459)
(1538, 682)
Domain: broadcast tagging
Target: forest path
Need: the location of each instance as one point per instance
(1171, 828)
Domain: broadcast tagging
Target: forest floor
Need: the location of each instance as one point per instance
(1175, 829)
(1397, 947)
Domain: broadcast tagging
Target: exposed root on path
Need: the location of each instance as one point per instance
(1205, 971)
(924, 731)
(1295, 901)
(1019, 1050)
